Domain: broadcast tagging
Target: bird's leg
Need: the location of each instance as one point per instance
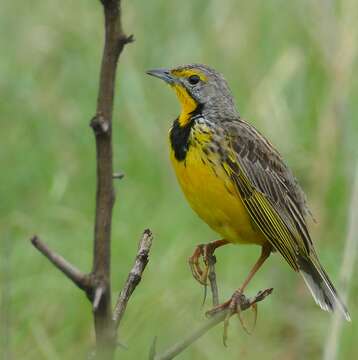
(265, 253)
(238, 300)
(206, 252)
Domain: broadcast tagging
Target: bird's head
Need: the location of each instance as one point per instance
(198, 88)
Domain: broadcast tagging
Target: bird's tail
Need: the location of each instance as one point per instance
(321, 287)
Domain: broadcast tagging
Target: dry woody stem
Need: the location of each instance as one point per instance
(97, 284)
(83, 281)
(87, 282)
(134, 277)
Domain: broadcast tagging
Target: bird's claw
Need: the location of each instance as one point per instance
(204, 252)
(237, 303)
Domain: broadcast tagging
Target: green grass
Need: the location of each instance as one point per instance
(291, 66)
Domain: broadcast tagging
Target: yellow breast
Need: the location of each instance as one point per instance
(213, 196)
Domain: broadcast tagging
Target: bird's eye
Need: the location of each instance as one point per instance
(193, 79)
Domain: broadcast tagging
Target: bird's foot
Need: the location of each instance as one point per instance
(236, 305)
(205, 253)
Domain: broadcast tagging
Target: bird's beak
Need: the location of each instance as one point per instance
(163, 74)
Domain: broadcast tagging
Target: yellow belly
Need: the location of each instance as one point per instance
(213, 197)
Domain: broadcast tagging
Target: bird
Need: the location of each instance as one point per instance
(238, 183)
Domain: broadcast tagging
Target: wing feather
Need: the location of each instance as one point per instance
(277, 206)
(271, 194)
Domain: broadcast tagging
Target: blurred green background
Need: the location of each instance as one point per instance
(292, 67)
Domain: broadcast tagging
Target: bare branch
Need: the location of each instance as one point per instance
(97, 283)
(217, 318)
(114, 42)
(83, 281)
(134, 276)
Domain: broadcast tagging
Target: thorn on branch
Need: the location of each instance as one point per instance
(128, 39)
(97, 297)
(124, 40)
(118, 175)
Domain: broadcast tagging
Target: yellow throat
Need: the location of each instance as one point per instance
(188, 104)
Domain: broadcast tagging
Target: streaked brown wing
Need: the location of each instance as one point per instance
(270, 192)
